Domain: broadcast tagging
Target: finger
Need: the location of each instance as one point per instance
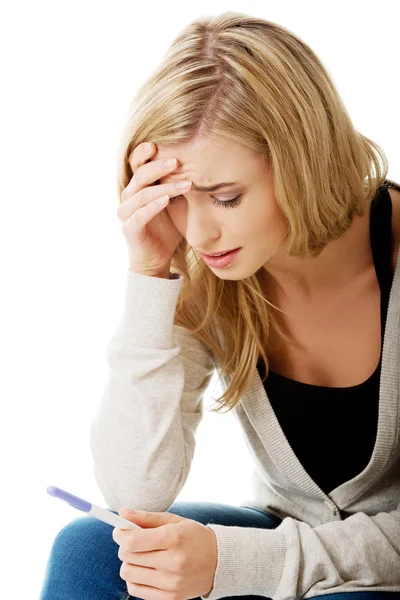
(149, 175)
(143, 540)
(121, 536)
(144, 591)
(140, 155)
(147, 576)
(164, 560)
(144, 215)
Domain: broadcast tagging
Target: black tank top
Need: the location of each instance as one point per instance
(319, 422)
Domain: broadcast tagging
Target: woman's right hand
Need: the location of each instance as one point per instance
(148, 229)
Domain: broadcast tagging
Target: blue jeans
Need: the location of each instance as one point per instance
(84, 563)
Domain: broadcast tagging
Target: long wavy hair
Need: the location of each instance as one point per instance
(257, 83)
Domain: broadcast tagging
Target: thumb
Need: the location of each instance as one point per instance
(149, 519)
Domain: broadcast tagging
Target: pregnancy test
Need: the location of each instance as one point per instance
(91, 509)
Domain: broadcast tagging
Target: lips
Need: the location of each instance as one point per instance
(219, 253)
(220, 262)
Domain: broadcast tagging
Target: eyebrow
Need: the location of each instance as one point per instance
(212, 188)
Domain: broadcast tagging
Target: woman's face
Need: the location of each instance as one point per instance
(207, 221)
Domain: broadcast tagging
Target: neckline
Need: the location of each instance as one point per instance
(327, 388)
(259, 412)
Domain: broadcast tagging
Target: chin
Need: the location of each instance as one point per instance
(230, 276)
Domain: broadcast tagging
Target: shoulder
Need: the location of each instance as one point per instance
(394, 193)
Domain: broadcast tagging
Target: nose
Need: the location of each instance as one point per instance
(201, 231)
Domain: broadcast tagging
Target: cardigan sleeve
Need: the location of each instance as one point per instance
(157, 378)
(295, 560)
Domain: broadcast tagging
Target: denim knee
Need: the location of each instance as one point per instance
(84, 562)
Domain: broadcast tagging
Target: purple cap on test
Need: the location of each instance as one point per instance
(70, 498)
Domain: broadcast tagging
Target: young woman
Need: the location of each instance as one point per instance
(300, 319)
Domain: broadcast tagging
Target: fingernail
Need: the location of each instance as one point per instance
(170, 162)
(128, 511)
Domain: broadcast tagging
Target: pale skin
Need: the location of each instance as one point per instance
(256, 224)
(169, 558)
(334, 315)
(333, 302)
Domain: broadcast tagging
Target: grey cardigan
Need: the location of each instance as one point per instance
(142, 440)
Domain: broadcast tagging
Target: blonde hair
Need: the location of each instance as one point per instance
(255, 82)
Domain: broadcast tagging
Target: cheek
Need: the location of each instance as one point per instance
(269, 225)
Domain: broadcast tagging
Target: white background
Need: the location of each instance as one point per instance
(68, 74)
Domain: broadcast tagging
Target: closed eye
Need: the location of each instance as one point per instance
(226, 203)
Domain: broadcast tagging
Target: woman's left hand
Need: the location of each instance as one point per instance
(171, 557)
